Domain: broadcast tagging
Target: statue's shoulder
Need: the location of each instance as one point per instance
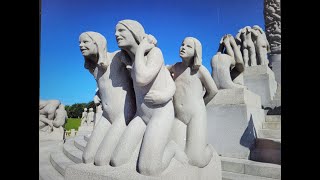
(114, 54)
(155, 50)
(203, 70)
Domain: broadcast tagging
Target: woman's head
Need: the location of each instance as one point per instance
(129, 32)
(93, 47)
(191, 49)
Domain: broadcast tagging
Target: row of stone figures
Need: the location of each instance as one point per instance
(87, 117)
(91, 118)
(52, 117)
(144, 101)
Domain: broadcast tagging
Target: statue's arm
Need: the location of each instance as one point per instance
(156, 97)
(208, 83)
(237, 55)
(164, 95)
(147, 70)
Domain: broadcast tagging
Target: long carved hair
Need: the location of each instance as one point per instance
(137, 32)
(101, 43)
(197, 59)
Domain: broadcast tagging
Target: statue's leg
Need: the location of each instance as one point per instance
(42, 124)
(95, 140)
(246, 57)
(197, 148)
(152, 158)
(178, 133)
(252, 55)
(224, 74)
(110, 142)
(128, 142)
(215, 67)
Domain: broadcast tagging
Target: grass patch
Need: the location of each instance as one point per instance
(72, 123)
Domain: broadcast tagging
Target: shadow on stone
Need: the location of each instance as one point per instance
(249, 136)
(274, 111)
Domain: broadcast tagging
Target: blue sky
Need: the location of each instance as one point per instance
(62, 73)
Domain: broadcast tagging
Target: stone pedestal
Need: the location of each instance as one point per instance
(73, 133)
(275, 60)
(56, 134)
(85, 129)
(261, 81)
(234, 117)
(175, 171)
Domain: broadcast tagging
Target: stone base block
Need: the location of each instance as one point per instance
(261, 80)
(175, 171)
(85, 128)
(233, 124)
(56, 134)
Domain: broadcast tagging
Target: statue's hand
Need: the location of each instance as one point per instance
(145, 45)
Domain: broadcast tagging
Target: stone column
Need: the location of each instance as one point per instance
(272, 17)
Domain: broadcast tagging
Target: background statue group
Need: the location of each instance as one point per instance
(87, 117)
(248, 48)
(141, 99)
(51, 114)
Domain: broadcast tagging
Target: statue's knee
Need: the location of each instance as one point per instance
(87, 158)
(149, 170)
(201, 159)
(115, 161)
(198, 161)
(99, 161)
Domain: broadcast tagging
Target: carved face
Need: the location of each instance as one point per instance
(87, 46)
(124, 37)
(187, 49)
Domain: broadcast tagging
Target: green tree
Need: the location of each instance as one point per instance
(91, 105)
(67, 108)
(76, 110)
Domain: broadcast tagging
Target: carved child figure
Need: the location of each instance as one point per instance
(116, 94)
(190, 78)
(84, 116)
(153, 121)
(90, 117)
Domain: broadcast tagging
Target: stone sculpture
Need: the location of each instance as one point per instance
(258, 77)
(153, 122)
(261, 45)
(61, 116)
(99, 111)
(90, 117)
(52, 116)
(272, 17)
(190, 78)
(247, 46)
(84, 116)
(48, 108)
(116, 93)
(227, 65)
(132, 139)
